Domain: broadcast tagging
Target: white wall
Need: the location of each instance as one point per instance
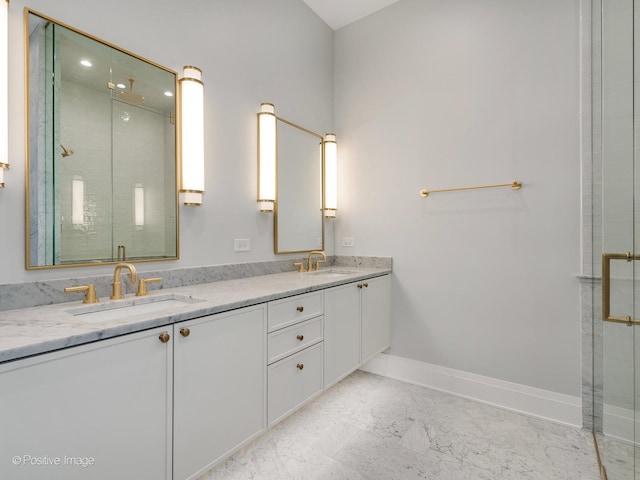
(435, 94)
(428, 94)
(251, 51)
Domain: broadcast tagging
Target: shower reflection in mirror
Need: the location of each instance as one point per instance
(102, 150)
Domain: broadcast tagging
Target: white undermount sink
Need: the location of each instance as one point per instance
(331, 273)
(122, 309)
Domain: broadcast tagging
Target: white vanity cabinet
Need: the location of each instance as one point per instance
(219, 387)
(99, 411)
(171, 402)
(356, 325)
(295, 333)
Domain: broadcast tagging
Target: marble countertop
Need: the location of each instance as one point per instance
(35, 330)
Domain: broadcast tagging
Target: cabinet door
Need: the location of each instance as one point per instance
(99, 411)
(376, 324)
(219, 384)
(341, 332)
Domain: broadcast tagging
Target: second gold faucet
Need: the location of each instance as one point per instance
(117, 285)
(310, 267)
(318, 262)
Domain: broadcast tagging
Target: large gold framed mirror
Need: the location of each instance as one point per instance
(101, 151)
(298, 220)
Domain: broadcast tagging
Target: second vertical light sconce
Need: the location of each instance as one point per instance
(192, 136)
(4, 93)
(267, 157)
(330, 206)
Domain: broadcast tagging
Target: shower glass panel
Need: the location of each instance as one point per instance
(82, 171)
(615, 57)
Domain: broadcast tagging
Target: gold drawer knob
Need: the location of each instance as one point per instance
(366, 285)
(300, 366)
(184, 331)
(300, 308)
(164, 337)
(359, 285)
(300, 337)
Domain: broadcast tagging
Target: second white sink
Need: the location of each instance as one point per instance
(331, 273)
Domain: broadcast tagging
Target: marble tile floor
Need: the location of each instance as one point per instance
(368, 427)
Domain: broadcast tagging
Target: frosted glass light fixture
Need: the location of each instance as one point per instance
(267, 154)
(77, 201)
(4, 92)
(330, 175)
(192, 154)
(138, 205)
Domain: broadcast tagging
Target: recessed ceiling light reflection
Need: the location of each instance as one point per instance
(168, 94)
(121, 85)
(86, 63)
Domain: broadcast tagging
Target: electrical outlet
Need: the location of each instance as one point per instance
(242, 245)
(347, 242)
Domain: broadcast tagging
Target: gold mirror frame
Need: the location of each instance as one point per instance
(302, 181)
(175, 118)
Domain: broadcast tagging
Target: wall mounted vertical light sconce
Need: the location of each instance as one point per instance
(330, 175)
(192, 136)
(267, 157)
(4, 91)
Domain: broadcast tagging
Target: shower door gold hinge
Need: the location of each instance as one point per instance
(606, 287)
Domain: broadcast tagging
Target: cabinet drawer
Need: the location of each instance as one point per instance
(292, 339)
(293, 381)
(285, 312)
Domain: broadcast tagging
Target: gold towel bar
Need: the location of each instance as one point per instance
(515, 185)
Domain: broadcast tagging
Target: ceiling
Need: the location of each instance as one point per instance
(338, 13)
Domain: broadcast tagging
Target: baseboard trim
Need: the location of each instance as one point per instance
(620, 423)
(553, 406)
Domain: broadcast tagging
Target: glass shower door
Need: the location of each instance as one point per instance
(616, 247)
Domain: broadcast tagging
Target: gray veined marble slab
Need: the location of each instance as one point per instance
(36, 330)
(46, 292)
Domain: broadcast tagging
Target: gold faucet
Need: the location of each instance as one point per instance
(117, 286)
(311, 254)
